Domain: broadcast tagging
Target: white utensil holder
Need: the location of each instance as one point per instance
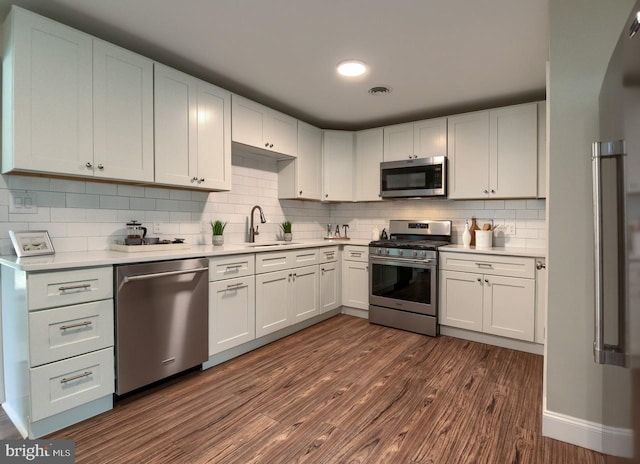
(484, 238)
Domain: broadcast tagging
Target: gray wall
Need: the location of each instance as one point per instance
(583, 34)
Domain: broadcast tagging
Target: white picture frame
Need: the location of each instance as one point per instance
(32, 243)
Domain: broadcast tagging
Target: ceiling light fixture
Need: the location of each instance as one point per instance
(351, 68)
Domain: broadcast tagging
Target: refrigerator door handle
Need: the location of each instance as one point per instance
(605, 353)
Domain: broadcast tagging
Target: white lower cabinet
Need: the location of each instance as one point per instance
(286, 297)
(232, 320)
(490, 301)
(355, 277)
(329, 286)
(58, 347)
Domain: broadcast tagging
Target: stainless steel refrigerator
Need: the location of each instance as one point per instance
(616, 200)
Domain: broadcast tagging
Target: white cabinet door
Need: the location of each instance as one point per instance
(301, 177)
(329, 287)
(468, 148)
(257, 126)
(513, 154)
(231, 313)
(461, 299)
(123, 114)
(398, 142)
(214, 137)
(305, 299)
(273, 296)
(430, 138)
(192, 133)
(282, 133)
(369, 150)
(337, 156)
(248, 122)
(355, 284)
(175, 127)
(48, 111)
(509, 307)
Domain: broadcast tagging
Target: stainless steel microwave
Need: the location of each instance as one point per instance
(420, 177)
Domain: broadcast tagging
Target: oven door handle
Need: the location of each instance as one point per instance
(421, 264)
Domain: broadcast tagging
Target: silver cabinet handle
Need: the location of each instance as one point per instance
(540, 265)
(89, 165)
(74, 287)
(605, 353)
(485, 265)
(355, 253)
(76, 377)
(101, 167)
(163, 274)
(234, 267)
(240, 284)
(75, 326)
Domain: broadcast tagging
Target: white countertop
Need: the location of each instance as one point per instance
(107, 257)
(504, 251)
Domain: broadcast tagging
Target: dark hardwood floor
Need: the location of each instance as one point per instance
(342, 391)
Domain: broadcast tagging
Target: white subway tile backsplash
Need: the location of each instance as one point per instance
(82, 200)
(101, 188)
(70, 211)
(67, 186)
(66, 244)
(114, 202)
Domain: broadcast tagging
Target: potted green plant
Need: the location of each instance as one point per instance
(217, 228)
(286, 230)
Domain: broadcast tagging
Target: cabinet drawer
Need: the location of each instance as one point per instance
(328, 254)
(60, 333)
(272, 261)
(513, 266)
(63, 288)
(303, 257)
(66, 384)
(227, 267)
(356, 253)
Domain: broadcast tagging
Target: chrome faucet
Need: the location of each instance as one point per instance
(253, 232)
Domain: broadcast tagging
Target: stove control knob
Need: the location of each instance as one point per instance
(387, 251)
(379, 251)
(415, 254)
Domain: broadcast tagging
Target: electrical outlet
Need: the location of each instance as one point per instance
(157, 227)
(509, 228)
(23, 202)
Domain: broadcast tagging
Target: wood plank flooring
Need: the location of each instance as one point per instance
(342, 391)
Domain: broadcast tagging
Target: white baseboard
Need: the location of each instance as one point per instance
(614, 441)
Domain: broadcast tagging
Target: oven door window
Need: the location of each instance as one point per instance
(427, 177)
(403, 283)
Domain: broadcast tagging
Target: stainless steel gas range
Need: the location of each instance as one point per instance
(403, 275)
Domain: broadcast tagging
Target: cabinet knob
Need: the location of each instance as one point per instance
(100, 167)
(266, 145)
(193, 179)
(486, 281)
(479, 280)
(485, 191)
(326, 195)
(540, 265)
(270, 145)
(201, 180)
(300, 192)
(89, 165)
(493, 191)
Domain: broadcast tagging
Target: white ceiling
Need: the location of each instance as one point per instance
(439, 56)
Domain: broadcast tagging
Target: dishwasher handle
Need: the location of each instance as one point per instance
(127, 279)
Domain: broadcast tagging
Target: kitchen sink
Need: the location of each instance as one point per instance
(271, 245)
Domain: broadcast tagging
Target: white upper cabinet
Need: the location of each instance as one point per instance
(513, 151)
(47, 96)
(265, 130)
(123, 113)
(337, 163)
(420, 139)
(494, 154)
(192, 131)
(368, 156)
(300, 178)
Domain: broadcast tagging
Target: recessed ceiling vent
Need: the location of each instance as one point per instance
(380, 90)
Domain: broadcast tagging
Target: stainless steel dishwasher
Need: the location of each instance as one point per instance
(161, 320)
